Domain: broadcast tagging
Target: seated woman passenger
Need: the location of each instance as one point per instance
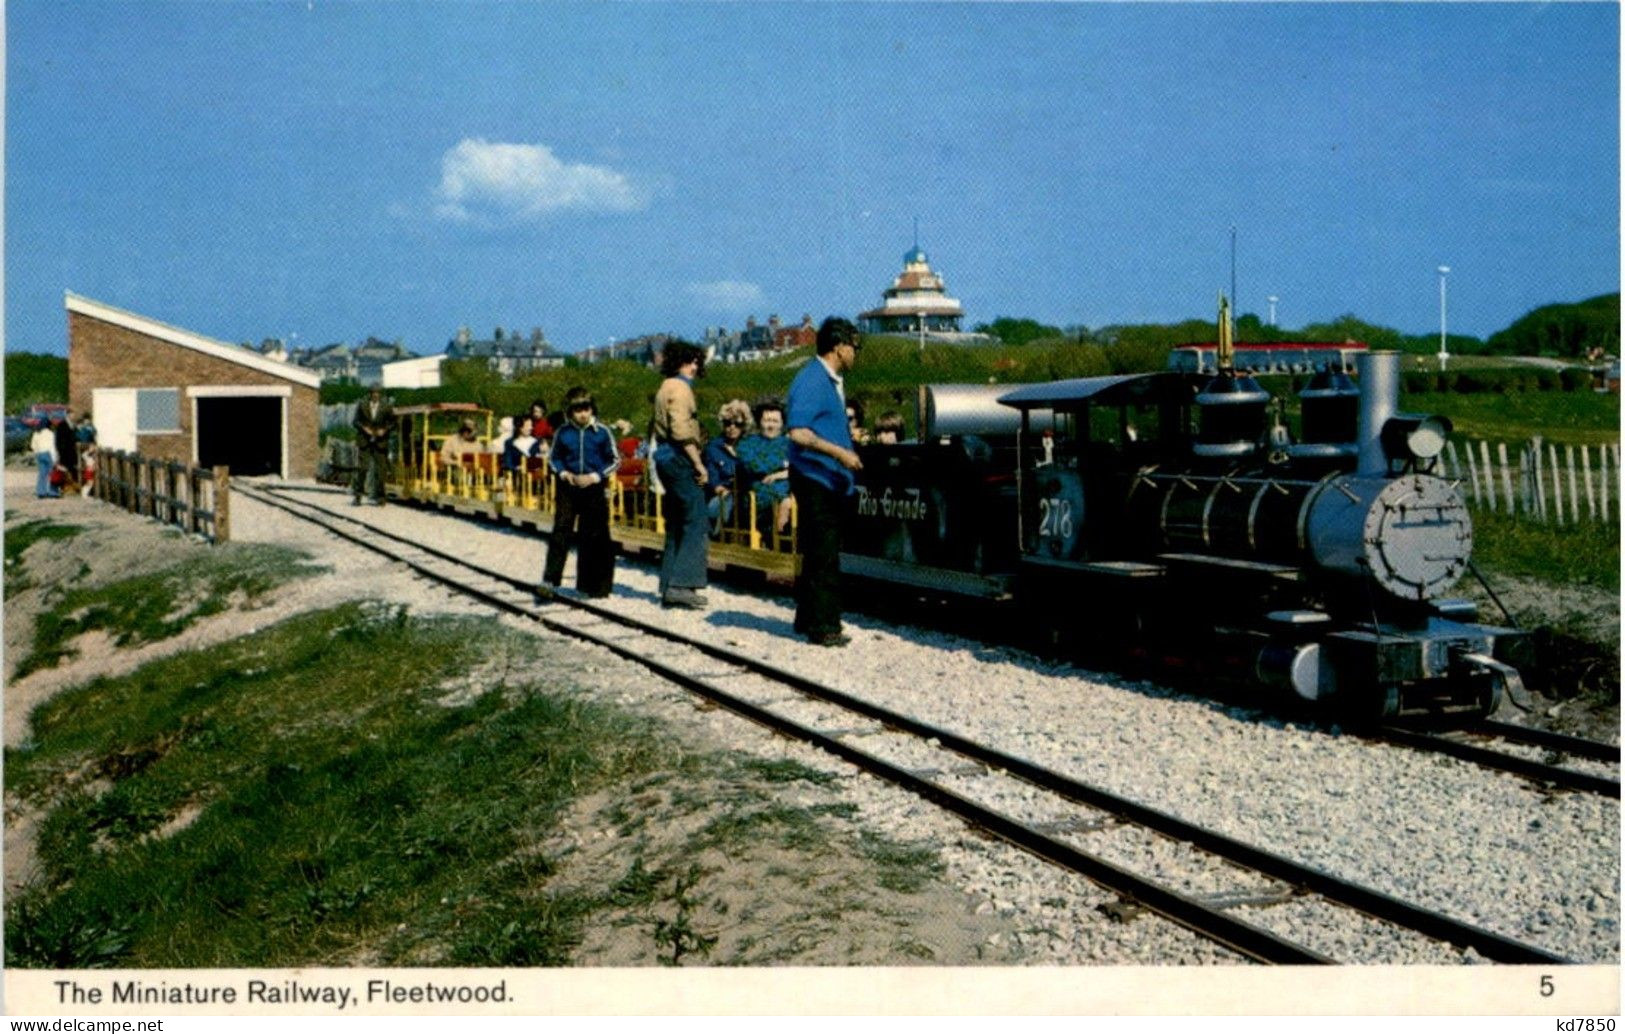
(521, 446)
(721, 457)
(499, 444)
(766, 458)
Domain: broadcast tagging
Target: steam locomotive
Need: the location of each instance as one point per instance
(1170, 518)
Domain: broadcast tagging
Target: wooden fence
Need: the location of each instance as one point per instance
(196, 500)
(1561, 484)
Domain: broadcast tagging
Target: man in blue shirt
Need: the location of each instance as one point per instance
(822, 465)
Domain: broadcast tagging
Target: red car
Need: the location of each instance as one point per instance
(43, 413)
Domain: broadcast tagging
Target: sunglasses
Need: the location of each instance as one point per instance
(733, 423)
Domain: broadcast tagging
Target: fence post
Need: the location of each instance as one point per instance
(1506, 476)
(1602, 478)
(1557, 484)
(222, 504)
(1472, 474)
(1489, 473)
(1574, 487)
(1591, 493)
(1526, 487)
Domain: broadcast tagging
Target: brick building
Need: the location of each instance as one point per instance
(170, 393)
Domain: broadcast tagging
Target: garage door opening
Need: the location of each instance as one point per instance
(243, 433)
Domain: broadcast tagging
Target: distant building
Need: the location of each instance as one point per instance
(335, 362)
(416, 372)
(803, 335)
(917, 296)
(1279, 357)
(370, 357)
(758, 340)
(644, 350)
(271, 348)
(507, 354)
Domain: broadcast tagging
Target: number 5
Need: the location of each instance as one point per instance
(1546, 987)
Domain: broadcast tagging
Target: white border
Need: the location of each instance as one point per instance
(187, 339)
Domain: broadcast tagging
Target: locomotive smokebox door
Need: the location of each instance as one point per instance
(1412, 535)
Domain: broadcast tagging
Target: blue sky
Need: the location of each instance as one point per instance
(335, 170)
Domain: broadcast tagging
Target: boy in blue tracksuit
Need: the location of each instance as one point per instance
(584, 459)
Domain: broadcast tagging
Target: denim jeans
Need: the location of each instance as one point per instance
(44, 487)
(682, 565)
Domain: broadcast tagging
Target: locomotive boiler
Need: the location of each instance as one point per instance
(1170, 519)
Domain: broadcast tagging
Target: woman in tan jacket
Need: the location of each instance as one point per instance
(676, 433)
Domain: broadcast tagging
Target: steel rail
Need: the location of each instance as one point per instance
(1566, 778)
(1596, 750)
(1375, 903)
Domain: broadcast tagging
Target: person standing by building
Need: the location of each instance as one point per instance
(584, 458)
(43, 445)
(675, 431)
(822, 465)
(67, 451)
(373, 419)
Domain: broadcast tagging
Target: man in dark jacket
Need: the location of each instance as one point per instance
(373, 421)
(67, 450)
(584, 459)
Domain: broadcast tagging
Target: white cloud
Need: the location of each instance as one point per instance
(481, 181)
(727, 294)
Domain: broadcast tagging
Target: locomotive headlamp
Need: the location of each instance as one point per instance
(1415, 436)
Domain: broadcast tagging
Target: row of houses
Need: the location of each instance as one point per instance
(390, 364)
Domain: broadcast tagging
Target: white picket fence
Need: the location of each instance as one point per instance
(1561, 484)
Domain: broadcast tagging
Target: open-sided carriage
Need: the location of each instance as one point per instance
(477, 484)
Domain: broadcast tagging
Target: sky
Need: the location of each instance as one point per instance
(319, 171)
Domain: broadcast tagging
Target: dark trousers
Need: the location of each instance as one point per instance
(369, 474)
(581, 519)
(688, 526)
(818, 587)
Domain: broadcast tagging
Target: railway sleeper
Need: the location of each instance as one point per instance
(1267, 898)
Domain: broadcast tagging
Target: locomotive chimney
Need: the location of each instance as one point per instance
(1379, 400)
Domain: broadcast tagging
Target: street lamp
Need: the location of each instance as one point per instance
(1273, 300)
(922, 331)
(1444, 353)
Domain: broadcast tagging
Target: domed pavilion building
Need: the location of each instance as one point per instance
(917, 296)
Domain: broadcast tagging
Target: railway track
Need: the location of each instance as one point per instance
(1467, 744)
(1055, 817)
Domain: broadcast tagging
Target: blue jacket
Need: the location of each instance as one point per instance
(513, 458)
(815, 402)
(585, 450)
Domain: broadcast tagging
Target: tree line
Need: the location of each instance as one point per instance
(1570, 330)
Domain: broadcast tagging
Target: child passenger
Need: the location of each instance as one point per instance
(584, 459)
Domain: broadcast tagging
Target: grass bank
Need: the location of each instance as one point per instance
(359, 786)
(146, 607)
(1586, 554)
